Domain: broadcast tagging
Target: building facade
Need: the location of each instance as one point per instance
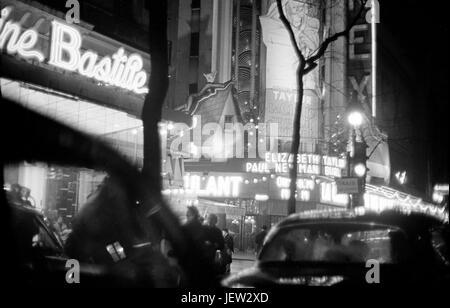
(232, 70)
(91, 75)
(242, 70)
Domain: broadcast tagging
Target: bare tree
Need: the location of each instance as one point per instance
(305, 66)
(183, 245)
(158, 85)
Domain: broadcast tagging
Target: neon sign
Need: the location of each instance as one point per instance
(328, 194)
(307, 164)
(302, 195)
(120, 70)
(283, 182)
(258, 167)
(213, 186)
(19, 43)
(304, 186)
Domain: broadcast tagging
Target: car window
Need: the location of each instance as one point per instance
(50, 201)
(334, 243)
(46, 239)
(84, 214)
(56, 192)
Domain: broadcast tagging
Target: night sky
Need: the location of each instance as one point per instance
(421, 29)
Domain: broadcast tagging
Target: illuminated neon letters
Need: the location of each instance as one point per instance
(121, 70)
(220, 186)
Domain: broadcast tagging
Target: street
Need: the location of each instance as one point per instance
(242, 261)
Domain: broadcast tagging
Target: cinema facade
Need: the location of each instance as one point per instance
(248, 193)
(252, 80)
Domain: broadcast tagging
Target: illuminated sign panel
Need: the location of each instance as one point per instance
(20, 43)
(65, 52)
(312, 164)
(304, 188)
(359, 67)
(328, 194)
(213, 186)
(282, 62)
(247, 186)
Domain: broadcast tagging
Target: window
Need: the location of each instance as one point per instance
(228, 119)
(322, 72)
(336, 243)
(195, 41)
(195, 4)
(195, 21)
(169, 52)
(193, 70)
(193, 88)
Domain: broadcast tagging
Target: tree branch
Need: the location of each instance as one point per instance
(304, 67)
(158, 84)
(311, 61)
(297, 113)
(286, 23)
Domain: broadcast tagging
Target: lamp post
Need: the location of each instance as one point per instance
(356, 154)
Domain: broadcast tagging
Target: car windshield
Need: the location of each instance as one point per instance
(56, 192)
(334, 243)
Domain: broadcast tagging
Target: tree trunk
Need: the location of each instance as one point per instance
(296, 139)
(158, 84)
(305, 66)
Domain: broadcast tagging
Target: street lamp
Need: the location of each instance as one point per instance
(355, 112)
(359, 159)
(359, 170)
(356, 156)
(355, 118)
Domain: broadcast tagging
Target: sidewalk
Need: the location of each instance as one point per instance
(242, 261)
(244, 255)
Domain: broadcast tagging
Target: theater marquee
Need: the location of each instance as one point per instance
(310, 164)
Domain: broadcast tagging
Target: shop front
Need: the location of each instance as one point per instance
(79, 77)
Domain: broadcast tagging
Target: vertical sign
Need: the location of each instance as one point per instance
(359, 62)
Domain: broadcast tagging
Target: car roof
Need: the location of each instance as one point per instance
(404, 219)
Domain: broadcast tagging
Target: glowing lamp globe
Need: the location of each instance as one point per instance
(355, 118)
(360, 170)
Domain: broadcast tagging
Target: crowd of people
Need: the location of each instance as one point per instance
(19, 195)
(217, 244)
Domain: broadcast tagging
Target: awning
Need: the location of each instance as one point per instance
(207, 206)
(381, 198)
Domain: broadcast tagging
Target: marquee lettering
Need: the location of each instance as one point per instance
(120, 70)
(212, 186)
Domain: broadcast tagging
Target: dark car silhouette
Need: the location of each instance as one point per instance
(126, 215)
(339, 247)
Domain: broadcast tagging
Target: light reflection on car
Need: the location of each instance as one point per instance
(331, 242)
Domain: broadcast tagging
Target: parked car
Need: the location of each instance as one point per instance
(117, 233)
(339, 247)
